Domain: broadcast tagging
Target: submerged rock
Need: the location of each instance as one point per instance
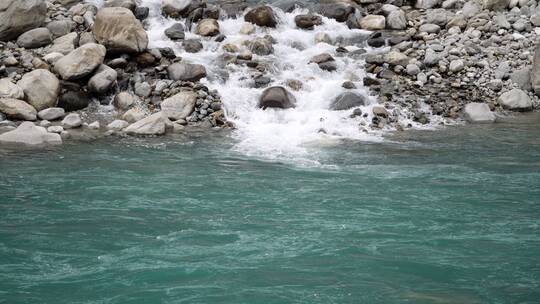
(347, 100)
(277, 97)
(261, 16)
(478, 113)
(29, 134)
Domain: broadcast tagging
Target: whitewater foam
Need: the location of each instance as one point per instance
(281, 133)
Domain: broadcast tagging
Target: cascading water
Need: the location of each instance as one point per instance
(280, 133)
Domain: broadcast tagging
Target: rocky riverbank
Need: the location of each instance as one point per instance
(69, 66)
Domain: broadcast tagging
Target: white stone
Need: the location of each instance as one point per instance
(72, 121)
(516, 100)
(117, 125)
(31, 135)
(478, 113)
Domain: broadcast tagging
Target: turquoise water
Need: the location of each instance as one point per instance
(448, 216)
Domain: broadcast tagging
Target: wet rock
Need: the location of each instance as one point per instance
(133, 115)
(29, 134)
(119, 31)
(308, 21)
(262, 81)
(261, 46)
(117, 125)
(208, 27)
(294, 84)
(277, 97)
(516, 100)
(74, 100)
(141, 12)
(329, 66)
(247, 29)
(80, 62)
(51, 114)
(124, 100)
(425, 4)
(72, 121)
(17, 109)
(261, 16)
(175, 8)
(175, 32)
(103, 80)
(379, 111)
(35, 38)
(41, 88)
(179, 106)
(143, 89)
(10, 90)
(19, 16)
(373, 22)
(186, 71)
(339, 12)
(155, 124)
(478, 113)
(323, 38)
(192, 45)
(347, 100)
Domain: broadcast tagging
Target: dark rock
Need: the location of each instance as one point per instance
(321, 58)
(262, 81)
(376, 40)
(175, 32)
(261, 16)
(339, 12)
(277, 97)
(329, 66)
(141, 12)
(167, 52)
(348, 100)
(192, 45)
(74, 100)
(307, 21)
(348, 85)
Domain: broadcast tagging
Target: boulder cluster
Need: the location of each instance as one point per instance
(451, 58)
(58, 58)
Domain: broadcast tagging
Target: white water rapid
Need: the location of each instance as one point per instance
(280, 133)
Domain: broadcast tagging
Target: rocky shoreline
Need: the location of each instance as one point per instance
(69, 66)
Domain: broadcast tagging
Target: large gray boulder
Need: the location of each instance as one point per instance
(261, 16)
(35, 38)
(155, 124)
(478, 113)
(277, 97)
(30, 135)
(175, 8)
(41, 88)
(119, 30)
(80, 62)
(10, 90)
(186, 71)
(180, 105)
(17, 109)
(535, 71)
(19, 16)
(103, 80)
(396, 20)
(347, 100)
(516, 100)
